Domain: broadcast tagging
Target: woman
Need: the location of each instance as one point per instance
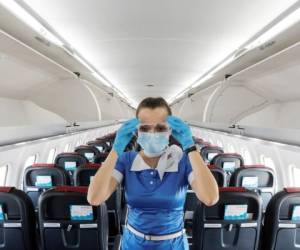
(155, 179)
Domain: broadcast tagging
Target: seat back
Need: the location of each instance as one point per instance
(82, 177)
(281, 225)
(90, 152)
(40, 177)
(200, 143)
(109, 138)
(192, 201)
(209, 152)
(219, 174)
(101, 145)
(233, 223)
(70, 161)
(229, 162)
(257, 177)
(17, 220)
(67, 221)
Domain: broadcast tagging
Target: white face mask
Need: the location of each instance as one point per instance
(154, 144)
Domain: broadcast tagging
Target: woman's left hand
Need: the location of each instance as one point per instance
(181, 131)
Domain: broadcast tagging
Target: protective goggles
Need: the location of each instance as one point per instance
(152, 128)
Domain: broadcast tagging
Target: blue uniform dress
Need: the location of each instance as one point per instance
(155, 198)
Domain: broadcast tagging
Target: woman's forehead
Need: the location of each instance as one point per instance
(152, 116)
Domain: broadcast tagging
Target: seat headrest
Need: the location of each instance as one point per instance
(254, 166)
(232, 189)
(78, 189)
(43, 165)
(6, 189)
(92, 165)
(292, 189)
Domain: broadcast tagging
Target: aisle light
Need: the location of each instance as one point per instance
(276, 29)
(24, 16)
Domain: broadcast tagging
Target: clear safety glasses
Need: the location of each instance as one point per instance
(152, 128)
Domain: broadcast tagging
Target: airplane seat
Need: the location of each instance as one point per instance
(282, 221)
(192, 201)
(42, 176)
(233, 223)
(17, 220)
(219, 174)
(68, 221)
(229, 162)
(258, 178)
(209, 152)
(200, 143)
(82, 177)
(70, 161)
(101, 145)
(91, 153)
(109, 138)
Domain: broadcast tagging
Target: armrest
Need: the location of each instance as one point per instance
(117, 242)
(124, 216)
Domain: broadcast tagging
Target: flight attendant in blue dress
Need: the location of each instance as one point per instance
(155, 179)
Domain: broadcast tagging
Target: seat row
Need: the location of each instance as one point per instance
(67, 221)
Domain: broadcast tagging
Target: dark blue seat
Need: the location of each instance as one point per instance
(192, 201)
(229, 162)
(70, 161)
(237, 229)
(17, 224)
(281, 225)
(82, 177)
(264, 178)
(67, 221)
(101, 145)
(32, 187)
(209, 152)
(91, 153)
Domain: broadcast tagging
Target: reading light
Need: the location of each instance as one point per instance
(282, 25)
(32, 22)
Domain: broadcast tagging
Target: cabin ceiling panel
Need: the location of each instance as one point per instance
(134, 43)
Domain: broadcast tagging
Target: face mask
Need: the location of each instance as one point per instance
(154, 144)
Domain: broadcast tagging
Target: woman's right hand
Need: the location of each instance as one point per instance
(124, 135)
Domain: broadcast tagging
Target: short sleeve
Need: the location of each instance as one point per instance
(119, 170)
(188, 170)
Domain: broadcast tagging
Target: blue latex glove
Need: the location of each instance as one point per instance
(181, 131)
(124, 135)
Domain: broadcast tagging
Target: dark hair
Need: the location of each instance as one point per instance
(152, 103)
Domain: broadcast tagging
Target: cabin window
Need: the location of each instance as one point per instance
(231, 148)
(51, 155)
(67, 148)
(78, 143)
(219, 143)
(3, 174)
(30, 160)
(295, 175)
(267, 161)
(247, 156)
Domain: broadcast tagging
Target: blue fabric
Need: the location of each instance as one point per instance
(155, 206)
